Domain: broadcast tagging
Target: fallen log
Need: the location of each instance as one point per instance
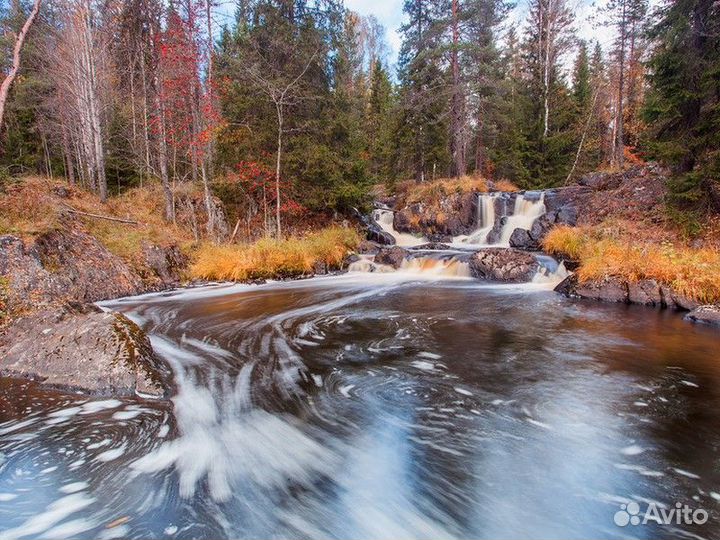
(100, 216)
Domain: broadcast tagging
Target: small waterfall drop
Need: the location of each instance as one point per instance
(385, 218)
(485, 219)
(425, 266)
(492, 207)
(436, 267)
(526, 212)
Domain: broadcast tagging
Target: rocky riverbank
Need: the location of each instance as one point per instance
(54, 334)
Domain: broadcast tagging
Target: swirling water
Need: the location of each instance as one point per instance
(377, 406)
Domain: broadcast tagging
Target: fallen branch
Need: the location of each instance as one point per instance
(99, 216)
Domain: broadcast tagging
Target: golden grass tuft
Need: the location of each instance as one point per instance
(694, 273)
(269, 258)
(431, 192)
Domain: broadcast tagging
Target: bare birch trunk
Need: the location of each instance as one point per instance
(15, 67)
(277, 171)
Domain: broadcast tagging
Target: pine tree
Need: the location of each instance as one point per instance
(582, 92)
(423, 130)
(379, 126)
(548, 119)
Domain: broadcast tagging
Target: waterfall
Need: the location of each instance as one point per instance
(551, 272)
(436, 267)
(525, 213)
(384, 219)
(485, 219)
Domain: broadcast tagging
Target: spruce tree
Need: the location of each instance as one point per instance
(683, 104)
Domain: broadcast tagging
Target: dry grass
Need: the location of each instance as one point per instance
(31, 206)
(268, 258)
(694, 273)
(431, 192)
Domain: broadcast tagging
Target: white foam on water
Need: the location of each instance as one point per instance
(423, 365)
(685, 473)
(74, 487)
(69, 529)
(126, 415)
(110, 455)
(99, 444)
(97, 406)
(225, 441)
(632, 450)
(55, 512)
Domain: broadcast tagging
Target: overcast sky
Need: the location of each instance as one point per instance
(389, 13)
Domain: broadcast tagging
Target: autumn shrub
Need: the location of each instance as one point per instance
(694, 273)
(269, 258)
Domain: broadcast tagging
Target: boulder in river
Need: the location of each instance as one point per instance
(88, 350)
(521, 239)
(393, 256)
(610, 289)
(708, 314)
(503, 264)
(432, 246)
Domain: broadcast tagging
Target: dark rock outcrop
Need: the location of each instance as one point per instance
(432, 246)
(166, 263)
(393, 256)
(645, 292)
(501, 264)
(709, 314)
(72, 266)
(373, 231)
(521, 239)
(453, 215)
(92, 351)
(367, 247)
(610, 289)
(63, 266)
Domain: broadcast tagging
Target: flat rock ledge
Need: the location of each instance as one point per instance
(709, 314)
(91, 351)
(646, 292)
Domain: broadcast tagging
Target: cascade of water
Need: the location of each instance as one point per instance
(427, 266)
(436, 267)
(384, 218)
(551, 272)
(526, 212)
(485, 219)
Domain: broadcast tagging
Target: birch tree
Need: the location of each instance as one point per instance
(15, 66)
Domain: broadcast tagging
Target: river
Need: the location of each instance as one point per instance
(396, 405)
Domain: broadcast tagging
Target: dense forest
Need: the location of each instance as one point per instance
(285, 105)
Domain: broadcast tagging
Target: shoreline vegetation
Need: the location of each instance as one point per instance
(691, 272)
(317, 252)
